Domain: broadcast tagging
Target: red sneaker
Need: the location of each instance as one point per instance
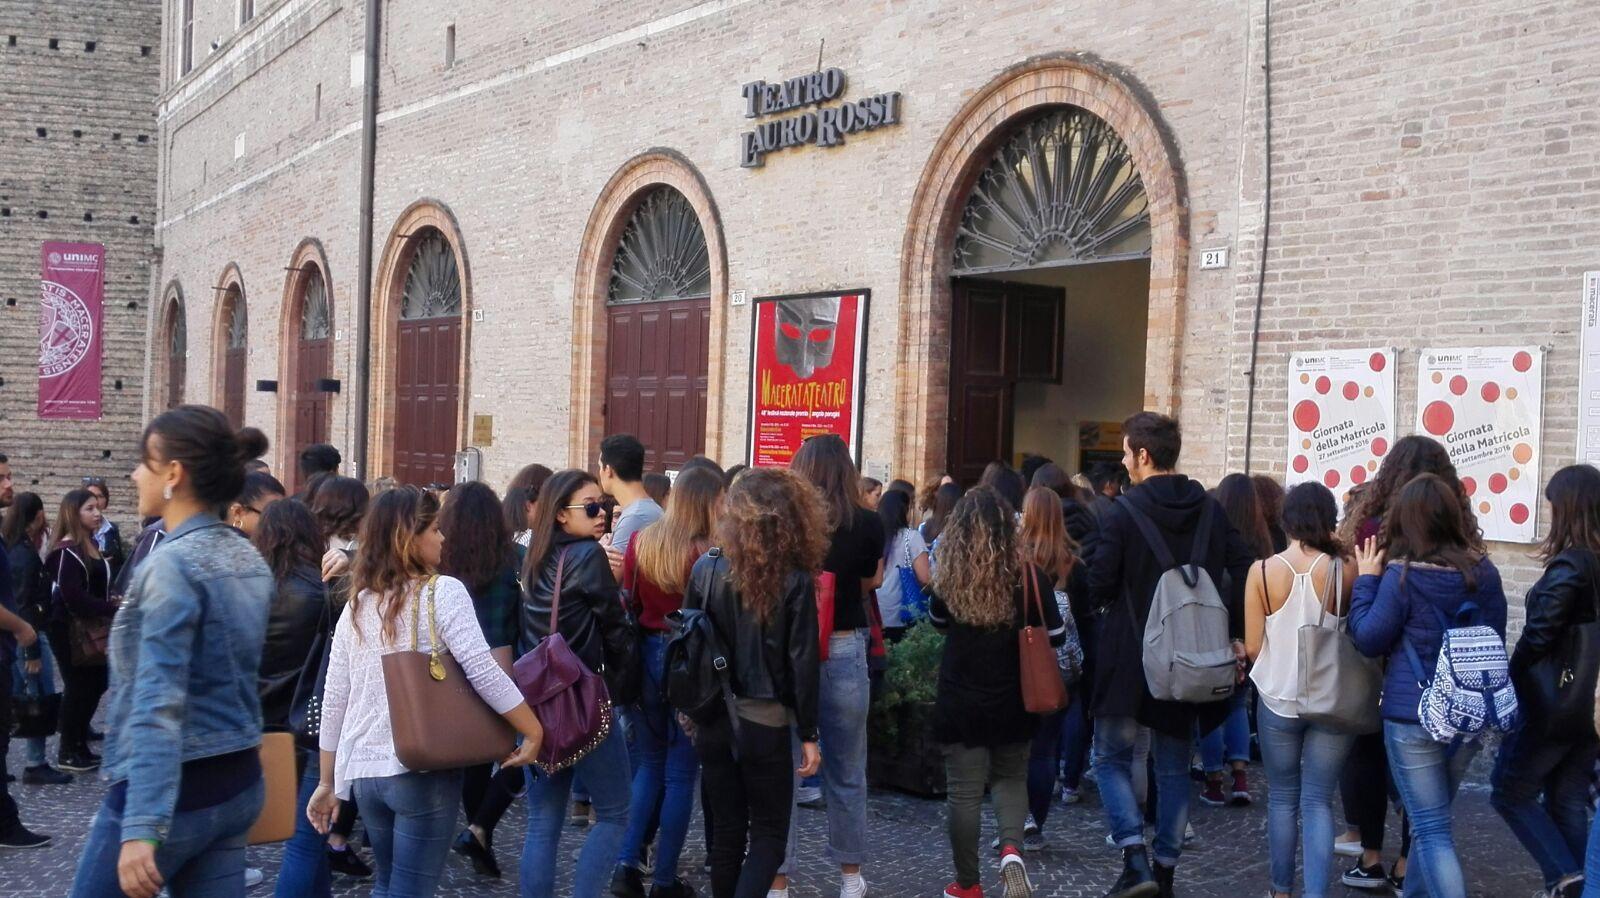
(1014, 874)
(1213, 795)
(955, 890)
(1241, 789)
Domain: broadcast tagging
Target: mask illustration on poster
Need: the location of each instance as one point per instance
(804, 332)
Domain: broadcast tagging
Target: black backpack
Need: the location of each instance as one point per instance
(698, 664)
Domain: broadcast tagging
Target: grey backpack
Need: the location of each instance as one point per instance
(1188, 656)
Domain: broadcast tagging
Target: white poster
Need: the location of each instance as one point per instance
(1589, 372)
(1486, 406)
(1341, 416)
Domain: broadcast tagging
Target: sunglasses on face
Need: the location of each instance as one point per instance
(592, 508)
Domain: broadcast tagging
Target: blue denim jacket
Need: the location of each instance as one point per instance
(185, 649)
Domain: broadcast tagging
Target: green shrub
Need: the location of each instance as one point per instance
(912, 678)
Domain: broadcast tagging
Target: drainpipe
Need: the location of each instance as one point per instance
(1266, 224)
(369, 142)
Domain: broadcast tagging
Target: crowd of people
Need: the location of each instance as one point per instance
(637, 645)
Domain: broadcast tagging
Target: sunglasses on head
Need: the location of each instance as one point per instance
(592, 508)
(94, 481)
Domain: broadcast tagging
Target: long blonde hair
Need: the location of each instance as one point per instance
(978, 563)
(387, 562)
(1043, 541)
(663, 551)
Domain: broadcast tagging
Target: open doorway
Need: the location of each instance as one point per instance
(1050, 311)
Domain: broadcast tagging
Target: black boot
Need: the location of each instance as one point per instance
(1164, 876)
(1136, 880)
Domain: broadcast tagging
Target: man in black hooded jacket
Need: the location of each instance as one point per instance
(1123, 573)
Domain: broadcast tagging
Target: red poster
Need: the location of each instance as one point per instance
(71, 292)
(805, 373)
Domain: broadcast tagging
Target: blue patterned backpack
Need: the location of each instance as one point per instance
(1471, 690)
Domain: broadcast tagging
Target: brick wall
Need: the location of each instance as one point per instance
(77, 163)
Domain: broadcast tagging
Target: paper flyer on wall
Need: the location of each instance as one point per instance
(1341, 416)
(1486, 405)
(1589, 372)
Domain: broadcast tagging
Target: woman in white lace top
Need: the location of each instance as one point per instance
(410, 815)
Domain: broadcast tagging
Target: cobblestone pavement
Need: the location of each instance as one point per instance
(909, 854)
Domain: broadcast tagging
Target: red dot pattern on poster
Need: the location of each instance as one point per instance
(1378, 362)
(1458, 385)
(1497, 483)
(1522, 361)
(1491, 391)
(1522, 453)
(1307, 415)
(1468, 485)
(1519, 513)
(1380, 446)
(1351, 390)
(1324, 385)
(1301, 463)
(1330, 479)
(1358, 474)
(1437, 418)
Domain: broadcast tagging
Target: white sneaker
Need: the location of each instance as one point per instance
(1347, 849)
(1188, 833)
(1014, 876)
(853, 886)
(252, 877)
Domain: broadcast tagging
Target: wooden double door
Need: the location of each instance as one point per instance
(657, 361)
(427, 400)
(1002, 334)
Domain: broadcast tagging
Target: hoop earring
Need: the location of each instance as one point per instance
(166, 492)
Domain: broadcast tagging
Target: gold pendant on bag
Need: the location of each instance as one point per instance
(435, 667)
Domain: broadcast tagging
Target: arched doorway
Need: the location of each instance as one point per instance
(231, 340)
(658, 328)
(1042, 273)
(649, 305)
(427, 377)
(307, 358)
(173, 350)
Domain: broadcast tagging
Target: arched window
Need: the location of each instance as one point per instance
(433, 282)
(236, 336)
(177, 352)
(662, 254)
(1062, 189)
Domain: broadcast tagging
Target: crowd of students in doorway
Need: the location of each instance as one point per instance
(1098, 630)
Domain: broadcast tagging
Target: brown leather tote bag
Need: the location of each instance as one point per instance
(1043, 690)
(438, 720)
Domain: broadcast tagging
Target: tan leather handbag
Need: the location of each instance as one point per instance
(438, 720)
(1043, 690)
(278, 775)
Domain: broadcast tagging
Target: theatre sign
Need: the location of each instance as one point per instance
(825, 126)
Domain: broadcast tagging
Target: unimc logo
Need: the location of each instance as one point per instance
(55, 258)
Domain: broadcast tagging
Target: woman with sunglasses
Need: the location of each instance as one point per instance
(564, 553)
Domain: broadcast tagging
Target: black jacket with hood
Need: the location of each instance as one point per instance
(1124, 569)
(775, 660)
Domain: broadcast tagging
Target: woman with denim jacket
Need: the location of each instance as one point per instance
(1434, 569)
(400, 601)
(1536, 760)
(567, 522)
(183, 722)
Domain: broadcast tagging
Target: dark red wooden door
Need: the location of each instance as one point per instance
(177, 359)
(656, 373)
(427, 400)
(233, 368)
(1000, 334)
(315, 361)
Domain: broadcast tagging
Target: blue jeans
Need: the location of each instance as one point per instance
(664, 779)
(305, 872)
(1230, 741)
(202, 857)
(410, 820)
(1556, 831)
(1591, 862)
(1303, 764)
(605, 772)
(1114, 738)
(1427, 775)
(842, 719)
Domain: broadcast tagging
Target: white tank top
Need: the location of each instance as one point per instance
(1277, 669)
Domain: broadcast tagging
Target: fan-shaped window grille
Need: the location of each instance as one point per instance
(433, 283)
(238, 321)
(1061, 190)
(314, 316)
(662, 254)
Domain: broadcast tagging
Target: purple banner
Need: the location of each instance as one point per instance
(70, 343)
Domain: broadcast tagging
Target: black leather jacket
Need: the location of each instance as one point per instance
(592, 619)
(1565, 595)
(291, 627)
(776, 661)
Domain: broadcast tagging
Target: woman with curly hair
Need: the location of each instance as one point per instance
(758, 591)
(979, 603)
